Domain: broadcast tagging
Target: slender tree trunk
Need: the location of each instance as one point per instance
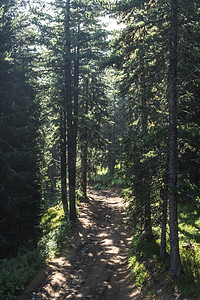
(112, 164)
(147, 206)
(163, 252)
(147, 222)
(172, 102)
(84, 168)
(74, 137)
(76, 96)
(112, 160)
(70, 133)
(144, 118)
(84, 150)
(63, 161)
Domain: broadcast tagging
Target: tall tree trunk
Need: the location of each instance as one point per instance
(163, 252)
(147, 205)
(172, 102)
(84, 168)
(111, 153)
(70, 133)
(147, 221)
(63, 161)
(112, 164)
(146, 193)
(84, 149)
(76, 95)
(74, 136)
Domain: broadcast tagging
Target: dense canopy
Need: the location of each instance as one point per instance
(78, 99)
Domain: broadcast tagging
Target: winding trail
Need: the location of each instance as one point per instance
(94, 264)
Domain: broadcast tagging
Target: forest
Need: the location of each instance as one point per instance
(100, 95)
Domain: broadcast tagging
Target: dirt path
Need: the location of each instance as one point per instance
(94, 265)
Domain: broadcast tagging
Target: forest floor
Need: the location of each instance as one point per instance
(94, 264)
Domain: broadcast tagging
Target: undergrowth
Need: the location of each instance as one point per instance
(17, 272)
(142, 259)
(104, 180)
(147, 267)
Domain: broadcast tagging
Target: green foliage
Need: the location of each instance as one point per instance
(104, 179)
(55, 229)
(20, 159)
(144, 256)
(189, 281)
(189, 232)
(189, 223)
(17, 272)
(141, 258)
(32, 77)
(141, 54)
(138, 271)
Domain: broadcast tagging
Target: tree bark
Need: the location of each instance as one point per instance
(76, 95)
(63, 161)
(84, 168)
(112, 162)
(84, 149)
(146, 192)
(172, 103)
(163, 252)
(70, 133)
(147, 221)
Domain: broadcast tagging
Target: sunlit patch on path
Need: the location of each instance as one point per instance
(94, 265)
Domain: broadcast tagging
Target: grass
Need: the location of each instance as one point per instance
(189, 235)
(147, 267)
(143, 257)
(19, 271)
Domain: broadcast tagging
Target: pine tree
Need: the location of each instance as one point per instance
(172, 101)
(78, 35)
(20, 139)
(140, 54)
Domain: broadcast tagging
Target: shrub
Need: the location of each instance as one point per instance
(19, 271)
